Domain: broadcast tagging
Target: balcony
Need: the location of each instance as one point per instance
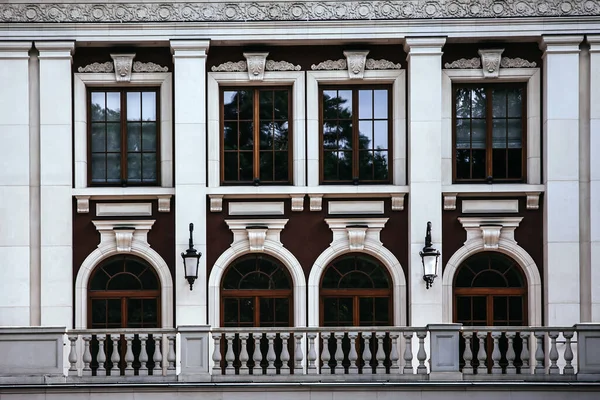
(40, 355)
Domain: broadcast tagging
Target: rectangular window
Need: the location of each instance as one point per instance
(355, 134)
(123, 137)
(489, 132)
(256, 135)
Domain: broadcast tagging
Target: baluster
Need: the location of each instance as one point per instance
(325, 357)
(481, 353)
(496, 369)
(157, 357)
(229, 355)
(539, 353)
(311, 357)
(394, 355)
(367, 356)
(298, 355)
(352, 354)
(143, 354)
(257, 355)
(101, 355)
(244, 357)
(510, 353)
(171, 355)
(568, 369)
(87, 356)
(408, 355)
(525, 353)
(129, 355)
(271, 354)
(421, 355)
(73, 353)
(553, 354)
(285, 354)
(115, 357)
(468, 354)
(216, 356)
(339, 352)
(380, 355)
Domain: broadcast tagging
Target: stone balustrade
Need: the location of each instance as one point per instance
(436, 352)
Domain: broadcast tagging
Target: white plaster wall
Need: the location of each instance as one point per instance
(595, 174)
(189, 58)
(424, 171)
(56, 181)
(14, 183)
(561, 177)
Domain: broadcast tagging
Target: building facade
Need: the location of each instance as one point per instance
(323, 152)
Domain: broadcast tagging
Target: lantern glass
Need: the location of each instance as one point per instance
(191, 265)
(430, 261)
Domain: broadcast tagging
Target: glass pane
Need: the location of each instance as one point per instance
(381, 104)
(365, 134)
(113, 168)
(266, 104)
(281, 98)
(478, 103)
(499, 134)
(345, 165)
(330, 105)
(478, 134)
(246, 310)
(98, 137)
(134, 167)
(113, 106)
(479, 308)
(134, 311)
(230, 312)
(382, 311)
(134, 106)
(463, 309)
(515, 102)
(113, 133)
(150, 314)
(330, 133)
(498, 103)
(246, 173)
(266, 135)
(230, 105)
(230, 136)
(330, 165)
(500, 308)
(267, 311)
(345, 104)
(515, 133)
(280, 136)
(365, 165)
(99, 311)
(281, 166)
(381, 135)
(499, 164)
(479, 164)
(463, 103)
(463, 133)
(149, 136)
(149, 106)
(381, 164)
(98, 110)
(463, 158)
(515, 308)
(366, 310)
(98, 168)
(230, 166)
(246, 138)
(114, 311)
(365, 104)
(345, 135)
(266, 166)
(134, 137)
(515, 162)
(246, 102)
(282, 312)
(149, 166)
(149, 279)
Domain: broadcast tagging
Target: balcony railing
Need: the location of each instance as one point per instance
(350, 354)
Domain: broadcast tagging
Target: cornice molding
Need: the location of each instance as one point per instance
(156, 11)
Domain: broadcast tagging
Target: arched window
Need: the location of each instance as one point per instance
(124, 292)
(256, 291)
(356, 291)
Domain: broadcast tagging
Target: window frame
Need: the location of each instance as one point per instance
(123, 90)
(489, 130)
(355, 88)
(160, 80)
(256, 134)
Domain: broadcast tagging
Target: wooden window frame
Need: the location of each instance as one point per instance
(256, 134)
(489, 129)
(123, 121)
(355, 133)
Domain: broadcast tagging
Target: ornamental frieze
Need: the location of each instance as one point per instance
(292, 11)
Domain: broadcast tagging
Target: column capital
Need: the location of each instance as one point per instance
(14, 50)
(594, 42)
(561, 44)
(189, 48)
(424, 45)
(55, 50)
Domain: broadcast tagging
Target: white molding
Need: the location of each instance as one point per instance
(490, 62)
(83, 204)
(164, 203)
(533, 200)
(533, 151)
(256, 208)
(356, 207)
(139, 247)
(154, 79)
(297, 202)
(509, 248)
(398, 97)
(294, 78)
(256, 238)
(341, 228)
(484, 228)
(255, 63)
(355, 60)
(124, 240)
(450, 201)
(123, 66)
(316, 202)
(356, 237)
(123, 209)
(241, 227)
(398, 202)
(489, 206)
(216, 203)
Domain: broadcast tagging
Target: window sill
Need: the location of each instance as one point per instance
(84, 195)
(532, 192)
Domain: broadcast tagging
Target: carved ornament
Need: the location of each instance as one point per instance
(216, 203)
(164, 204)
(330, 65)
(281, 66)
(256, 237)
(490, 62)
(450, 201)
(491, 236)
(139, 66)
(356, 63)
(124, 238)
(123, 68)
(381, 64)
(464, 63)
(518, 62)
(533, 200)
(297, 202)
(397, 202)
(316, 202)
(356, 237)
(105, 67)
(256, 65)
(230, 66)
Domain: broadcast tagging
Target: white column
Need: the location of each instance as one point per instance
(14, 184)
(189, 58)
(561, 177)
(424, 171)
(594, 156)
(56, 164)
